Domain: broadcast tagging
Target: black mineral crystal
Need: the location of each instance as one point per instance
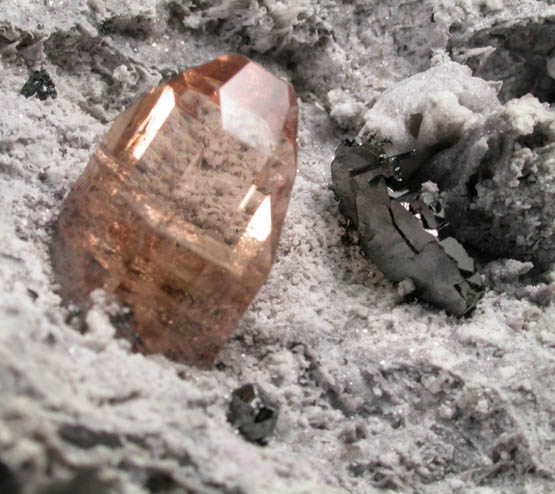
(402, 226)
(40, 85)
(253, 412)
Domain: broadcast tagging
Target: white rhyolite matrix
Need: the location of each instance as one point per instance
(375, 393)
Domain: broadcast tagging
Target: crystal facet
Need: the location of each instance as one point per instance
(180, 208)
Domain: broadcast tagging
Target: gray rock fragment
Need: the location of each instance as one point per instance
(395, 238)
(492, 162)
(518, 52)
(510, 276)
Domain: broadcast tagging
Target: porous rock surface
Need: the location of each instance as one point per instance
(376, 395)
(494, 163)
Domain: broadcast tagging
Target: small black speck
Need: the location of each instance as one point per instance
(397, 422)
(347, 239)
(50, 339)
(107, 27)
(263, 414)
(34, 295)
(182, 374)
(73, 313)
(39, 84)
(160, 482)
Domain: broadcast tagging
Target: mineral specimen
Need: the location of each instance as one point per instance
(180, 208)
(39, 84)
(253, 413)
(399, 228)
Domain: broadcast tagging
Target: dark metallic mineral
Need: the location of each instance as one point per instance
(401, 229)
(253, 413)
(40, 85)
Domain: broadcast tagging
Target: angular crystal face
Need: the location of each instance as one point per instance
(180, 208)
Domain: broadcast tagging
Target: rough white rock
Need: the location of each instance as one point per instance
(431, 109)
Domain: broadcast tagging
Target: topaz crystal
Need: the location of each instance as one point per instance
(179, 211)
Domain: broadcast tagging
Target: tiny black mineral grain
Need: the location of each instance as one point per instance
(253, 413)
(40, 85)
(403, 228)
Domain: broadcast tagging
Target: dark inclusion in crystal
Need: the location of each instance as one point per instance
(40, 85)
(253, 412)
(401, 229)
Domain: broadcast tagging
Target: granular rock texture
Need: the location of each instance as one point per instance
(376, 395)
(492, 162)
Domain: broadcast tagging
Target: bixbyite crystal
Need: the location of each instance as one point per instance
(253, 412)
(404, 231)
(180, 208)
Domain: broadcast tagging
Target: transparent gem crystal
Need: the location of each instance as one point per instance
(180, 208)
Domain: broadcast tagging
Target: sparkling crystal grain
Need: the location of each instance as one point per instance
(180, 208)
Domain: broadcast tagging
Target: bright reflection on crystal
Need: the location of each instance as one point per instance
(260, 226)
(252, 118)
(246, 126)
(247, 197)
(153, 123)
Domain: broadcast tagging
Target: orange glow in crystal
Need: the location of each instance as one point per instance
(179, 211)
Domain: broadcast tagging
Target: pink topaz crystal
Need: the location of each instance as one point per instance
(180, 209)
